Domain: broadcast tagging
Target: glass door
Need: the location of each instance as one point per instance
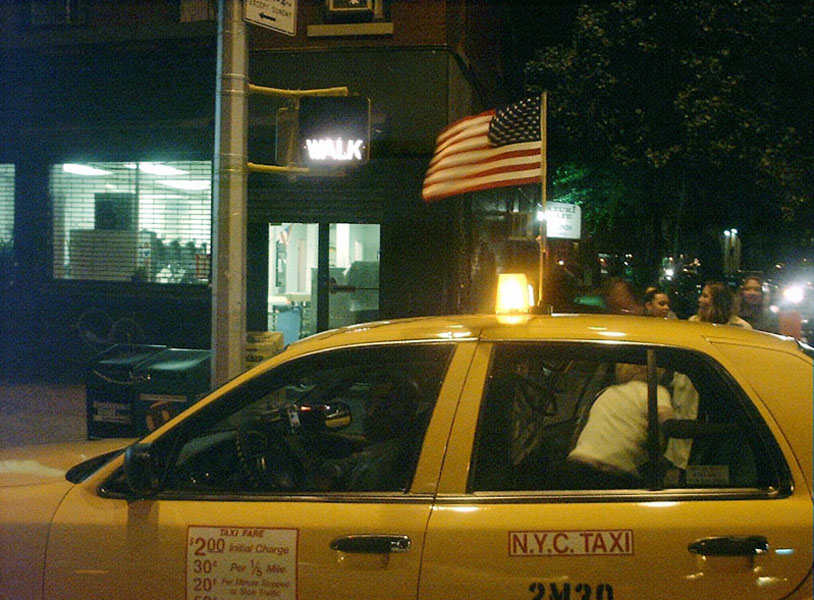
(322, 276)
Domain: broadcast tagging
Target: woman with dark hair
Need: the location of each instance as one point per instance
(657, 304)
(752, 308)
(716, 304)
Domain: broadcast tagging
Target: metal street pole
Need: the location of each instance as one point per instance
(543, 241)
(229, 196)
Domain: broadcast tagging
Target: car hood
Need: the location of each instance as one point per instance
(48, 463)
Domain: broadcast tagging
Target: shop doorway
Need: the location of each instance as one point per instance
(322, 276)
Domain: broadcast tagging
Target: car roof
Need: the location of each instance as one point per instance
(598, 327)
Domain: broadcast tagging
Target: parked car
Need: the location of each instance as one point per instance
(446, 458)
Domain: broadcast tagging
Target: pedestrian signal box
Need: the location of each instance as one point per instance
(334, 131)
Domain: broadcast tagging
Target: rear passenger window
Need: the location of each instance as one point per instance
(586, 417)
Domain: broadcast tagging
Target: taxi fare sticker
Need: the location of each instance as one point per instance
(608, 542)
(226, 562)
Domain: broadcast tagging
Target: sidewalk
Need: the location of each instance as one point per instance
(41, 413)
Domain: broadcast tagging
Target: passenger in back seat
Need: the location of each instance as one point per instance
(612, 446)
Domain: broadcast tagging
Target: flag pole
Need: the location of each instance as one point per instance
(543, 239)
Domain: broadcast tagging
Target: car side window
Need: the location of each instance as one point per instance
(349, 420)
(585, 417)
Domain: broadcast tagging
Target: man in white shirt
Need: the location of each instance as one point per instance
(612, 447)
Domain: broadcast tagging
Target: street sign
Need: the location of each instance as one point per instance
(279, 15)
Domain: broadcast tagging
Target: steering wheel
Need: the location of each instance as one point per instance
(270, 465)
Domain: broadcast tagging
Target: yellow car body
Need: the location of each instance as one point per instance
(212, 505)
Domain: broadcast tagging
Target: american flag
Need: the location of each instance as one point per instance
(493, 149)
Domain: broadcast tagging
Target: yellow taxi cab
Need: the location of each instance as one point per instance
(468, 457)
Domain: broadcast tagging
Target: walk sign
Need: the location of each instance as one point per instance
(279, 15)
(334, 131)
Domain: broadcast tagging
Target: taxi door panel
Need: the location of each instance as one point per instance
(636, 544)
(542, 549)
(284, 546)
(196, 550)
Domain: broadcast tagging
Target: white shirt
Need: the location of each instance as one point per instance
(615, 435)
(685, 405)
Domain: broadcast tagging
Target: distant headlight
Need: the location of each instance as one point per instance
(794, 294)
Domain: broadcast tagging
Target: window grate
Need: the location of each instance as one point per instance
(128, 221)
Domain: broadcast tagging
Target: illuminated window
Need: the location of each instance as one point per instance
(6, 205)
(6, 224)
(127, 221)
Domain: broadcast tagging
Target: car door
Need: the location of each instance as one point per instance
(231, 518)
(510, 521)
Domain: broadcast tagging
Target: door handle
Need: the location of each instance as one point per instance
(748, 545)
(372, 544)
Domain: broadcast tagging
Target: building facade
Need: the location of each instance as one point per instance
(106, 171)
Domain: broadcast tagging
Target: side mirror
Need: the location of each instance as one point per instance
(139, 472)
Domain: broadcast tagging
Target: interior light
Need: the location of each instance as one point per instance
(190, 185)
(77, 169)
(512, 293)
(160, 169)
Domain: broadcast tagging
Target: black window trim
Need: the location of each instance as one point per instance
(775, 455)
(169, 444)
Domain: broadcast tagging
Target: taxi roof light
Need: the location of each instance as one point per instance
(512, 294)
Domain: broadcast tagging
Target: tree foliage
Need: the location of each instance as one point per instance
(700, 108)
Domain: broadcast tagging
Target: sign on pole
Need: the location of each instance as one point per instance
(563, 221)
(334, 131)
(279, 15)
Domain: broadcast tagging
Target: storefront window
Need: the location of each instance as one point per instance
(351, 276)
(6, 204)
(6, 222)
(127, 221)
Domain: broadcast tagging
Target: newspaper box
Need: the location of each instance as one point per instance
(169, 382)
(111, 387)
